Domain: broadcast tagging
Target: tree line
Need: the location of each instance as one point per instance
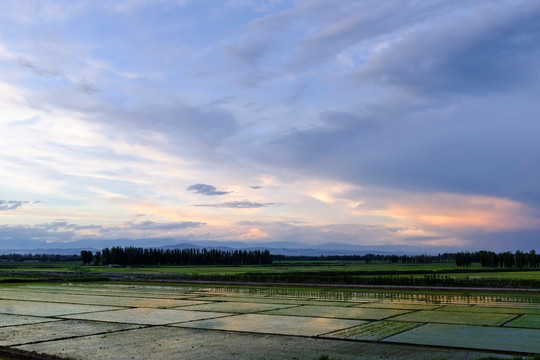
(369, 258)
(39, 257)
(507, 259)
(136, 256)
(148, 256)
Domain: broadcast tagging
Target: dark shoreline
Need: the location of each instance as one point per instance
(15, 354)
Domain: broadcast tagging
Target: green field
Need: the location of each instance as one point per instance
(292, 267)
(312, 272)
(276, 267)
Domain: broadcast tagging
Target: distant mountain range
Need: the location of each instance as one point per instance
(282, 248)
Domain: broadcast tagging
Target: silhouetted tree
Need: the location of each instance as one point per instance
(97, 258)
(86, 257)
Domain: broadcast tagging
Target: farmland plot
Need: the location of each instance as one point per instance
(146, 316)
(183, 343)
(56, 330)
(338, 312)
(39, 308)
(250, 299)
(107, 290)
(526, 321)
(104, 321)
(270, 300)
(486, 309)
(454, 317)
(376, 330)
(270, 324)
(106, 300)
(476, 337)
(10, 320)
(235, 307)
(399, 305)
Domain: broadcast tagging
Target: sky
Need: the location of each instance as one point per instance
(369, 122)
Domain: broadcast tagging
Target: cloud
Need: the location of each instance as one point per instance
(455, 112)
(237, 205)
(126, 7)
(493, 49)
(204, 189)
(259, 6)
(478, 146)
(349, 24)
(65, 232)
(523, 240)
(247, 53)
(53, 226)
(460, 214)
(290, 232)
(195, 131)
(298, 94)
(255, 78)
(7, 205)
(16, 236)
(151, 225)
(319, 31)
(87, 88)
(37, 70)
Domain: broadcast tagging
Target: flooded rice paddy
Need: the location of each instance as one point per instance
(111, 321)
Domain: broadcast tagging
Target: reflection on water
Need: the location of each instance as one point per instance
(363, 296)
(522, 300)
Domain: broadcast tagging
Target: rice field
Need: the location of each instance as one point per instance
(123, 321)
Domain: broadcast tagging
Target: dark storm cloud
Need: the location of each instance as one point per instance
(205, 189)
(237, 205)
